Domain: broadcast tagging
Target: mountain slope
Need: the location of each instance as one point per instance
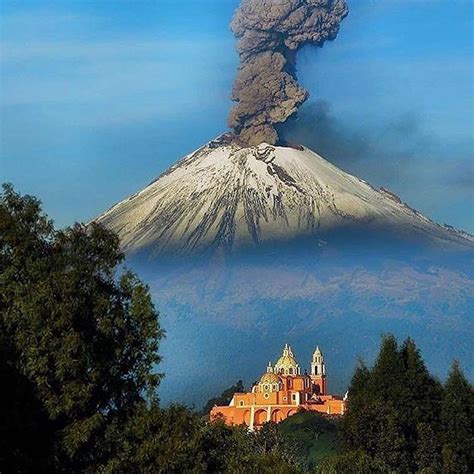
(224, 316)
(223, 195)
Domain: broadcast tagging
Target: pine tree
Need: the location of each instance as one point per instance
(391, 446)
(428, 452)
(457, 423)
(419, 403)
(423, 393)
(387, 387)
(392, 408)
(387, 381)
(354, 433)
(359, 386)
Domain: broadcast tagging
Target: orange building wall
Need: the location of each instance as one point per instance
(238, 415)
(276, 406)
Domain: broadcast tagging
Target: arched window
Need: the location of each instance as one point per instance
(290, 370)
(241, 403)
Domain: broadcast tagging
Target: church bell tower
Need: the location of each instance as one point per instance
(318, 372)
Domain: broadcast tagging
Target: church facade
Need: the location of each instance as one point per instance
(281, 392)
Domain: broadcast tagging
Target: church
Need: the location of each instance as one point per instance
(281, 392)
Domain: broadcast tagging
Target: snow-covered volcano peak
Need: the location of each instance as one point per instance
(223, 195)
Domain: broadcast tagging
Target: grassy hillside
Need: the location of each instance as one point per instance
(315, 433)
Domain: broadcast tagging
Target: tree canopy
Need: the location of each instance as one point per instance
(79, 342)
(401, 419)
(82, 337)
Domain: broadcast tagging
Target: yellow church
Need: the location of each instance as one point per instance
(281, 392)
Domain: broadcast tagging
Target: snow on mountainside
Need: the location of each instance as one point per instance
(223, 195)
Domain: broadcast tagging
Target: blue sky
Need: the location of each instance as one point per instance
(98, 97)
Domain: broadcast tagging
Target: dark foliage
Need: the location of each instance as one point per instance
(79, 343)
(401, 419)
(224, 398)
(457, 421)
(26, 433)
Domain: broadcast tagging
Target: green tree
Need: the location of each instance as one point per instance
(457, 423)
(419, 403)
(423, 392)
(387, 376)
(391, 447)
(428, 450)
(168, 440)
(84, 337)
(224, 399)
(354, 432)
(176, 440)
(373, 423)
(350, 462)
(270, 439)
(393, 412)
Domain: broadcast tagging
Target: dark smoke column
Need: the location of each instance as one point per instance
(269, 34)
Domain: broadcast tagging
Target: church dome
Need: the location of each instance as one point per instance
(286, 361)
(287, 364)
(270, 377)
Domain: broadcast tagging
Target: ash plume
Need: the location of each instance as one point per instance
(269, 34)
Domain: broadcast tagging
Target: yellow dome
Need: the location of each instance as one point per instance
(287, 364)
(286, 361)
(270, 377)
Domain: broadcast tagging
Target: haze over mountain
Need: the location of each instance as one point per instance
(246, 248)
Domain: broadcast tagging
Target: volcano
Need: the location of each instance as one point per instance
(224, 196)
(274, 244)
